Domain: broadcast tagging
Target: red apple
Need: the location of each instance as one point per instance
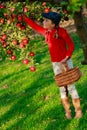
(25, 9)
(5, 14)
(13, 9)
(13, 19)
(8, 21)
(31, 54)
(25, 61)
(44, 4)
(13, 57)
(1, 20)
(13, 15)
(2, 6)
(15, 42)
(47, 10)
(4, 36)
(20, 18)
(21, 45)
(4, 44)
(32, 68)
(18, 24)
(25, 41)
(1, 40)
(23, 27)
(9, 52)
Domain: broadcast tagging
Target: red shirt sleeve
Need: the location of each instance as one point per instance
(69, 43)
(34, 25)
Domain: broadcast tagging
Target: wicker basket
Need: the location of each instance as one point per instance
(68, 77)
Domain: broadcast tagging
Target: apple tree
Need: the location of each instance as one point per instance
(15, 35)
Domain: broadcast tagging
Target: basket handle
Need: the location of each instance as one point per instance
(64, 67)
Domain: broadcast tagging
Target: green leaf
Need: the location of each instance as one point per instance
(69, 8)
(19, 6)
(27, 2)
(63, 3)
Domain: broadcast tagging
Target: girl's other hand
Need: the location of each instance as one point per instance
(65, 59)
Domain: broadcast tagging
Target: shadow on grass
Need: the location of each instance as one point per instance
(54, 117)
(22, 111)
(22, 99)
(83, 95)
(13, 74)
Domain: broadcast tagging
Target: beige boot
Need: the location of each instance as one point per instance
(66, 105)
(76, 103)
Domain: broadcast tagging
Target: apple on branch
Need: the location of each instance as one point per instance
(15, 42)
(25, 41)
(25, 61)
(2, 6)
(47, 10)
(21, 45)
(1, 20)
(13, 57)
(5, 14)
(12, 9)
(9, 52)
(18, 24)
(4, 44)
(4, 36)
(8, 21)
(23, 27)
(31, 54)
(20, 18)
(44, 4)
(25, 9)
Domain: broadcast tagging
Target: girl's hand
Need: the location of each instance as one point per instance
(65, 59)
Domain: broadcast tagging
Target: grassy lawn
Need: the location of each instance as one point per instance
(31, 100)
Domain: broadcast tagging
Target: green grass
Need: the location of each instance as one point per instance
(32, 101)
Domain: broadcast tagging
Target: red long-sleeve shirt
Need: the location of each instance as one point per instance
(59, 47)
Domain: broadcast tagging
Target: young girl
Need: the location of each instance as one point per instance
(60, 47)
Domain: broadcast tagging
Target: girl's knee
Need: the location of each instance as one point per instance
(72, 91)
(62, 92)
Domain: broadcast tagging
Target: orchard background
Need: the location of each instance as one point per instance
(29, 97)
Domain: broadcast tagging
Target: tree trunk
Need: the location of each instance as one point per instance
(82, 32)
